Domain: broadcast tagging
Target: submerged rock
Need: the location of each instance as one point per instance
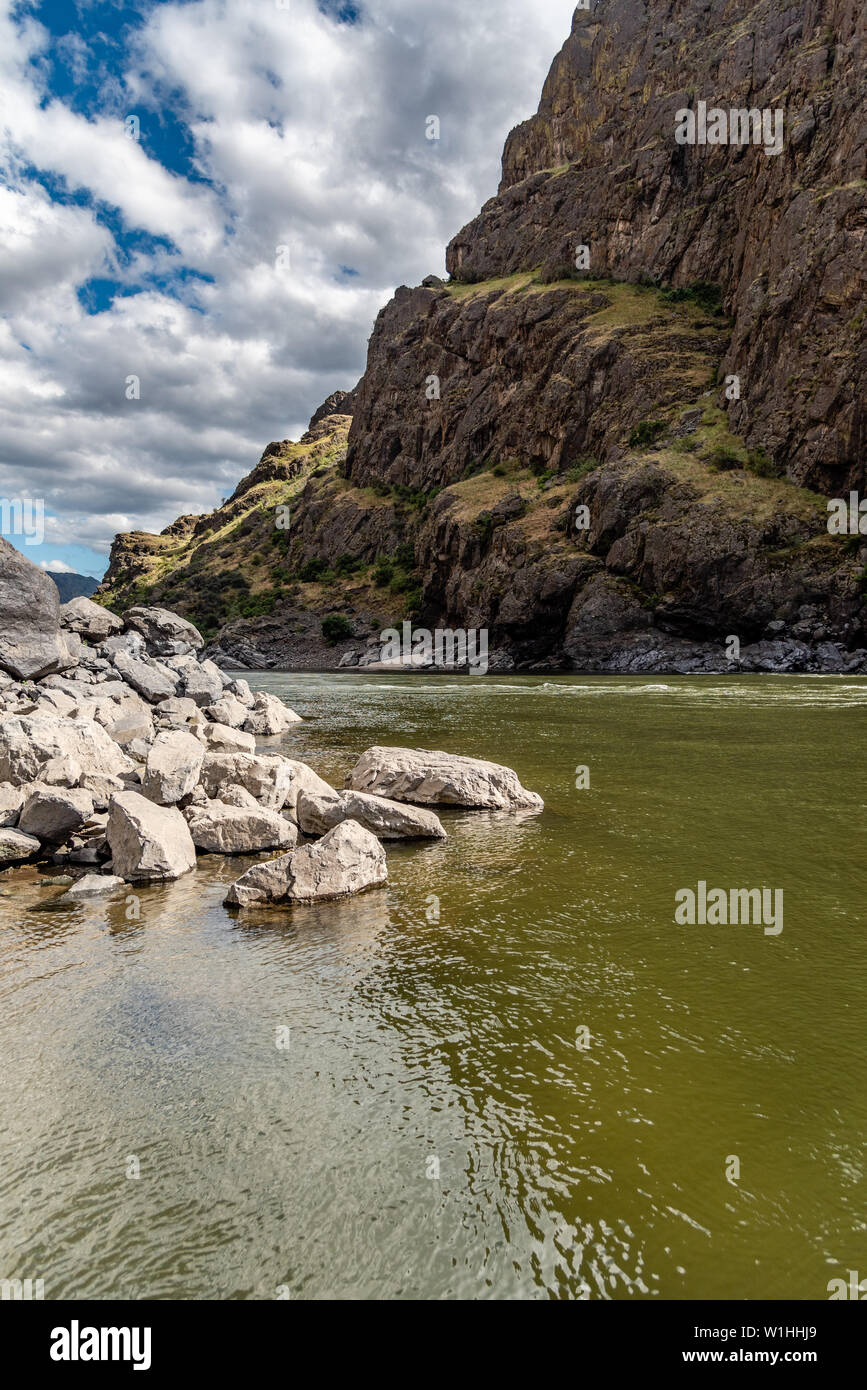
(346, 860)
(445, 779)
(92, 886)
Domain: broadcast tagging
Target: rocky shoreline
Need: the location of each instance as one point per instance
(808, 649)
(125, 753)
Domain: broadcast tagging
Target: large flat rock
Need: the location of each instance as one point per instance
(440, 779)
(387, 820)
(15, 845)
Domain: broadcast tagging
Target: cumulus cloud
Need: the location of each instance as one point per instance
(243, 281)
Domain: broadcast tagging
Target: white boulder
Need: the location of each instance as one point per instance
(28, 742)
(269, 716)
(148, 843)
(266, 776)
(227, 710)
(89, 619)
(53, 813)
(173, 766)
(152, 680)
(164, 633)
(220, 738)
(344, 861)
(388, 820)
(221, 829)
(445, 779)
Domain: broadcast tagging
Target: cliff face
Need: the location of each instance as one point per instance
(783, 236)
(553, 451)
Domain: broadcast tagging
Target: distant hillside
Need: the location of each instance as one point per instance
(74, 585)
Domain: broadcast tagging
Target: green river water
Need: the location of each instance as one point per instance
(510, 1074)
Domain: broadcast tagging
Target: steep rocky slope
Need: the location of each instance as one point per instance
(784, 236)
(551, 453)
(74, 586)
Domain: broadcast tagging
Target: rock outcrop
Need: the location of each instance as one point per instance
(609, 439)
(104, 774)
(95, 760)
(781, 235)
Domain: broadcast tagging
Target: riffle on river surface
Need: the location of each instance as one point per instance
(435, 1026)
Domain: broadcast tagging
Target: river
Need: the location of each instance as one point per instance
(510, 1074)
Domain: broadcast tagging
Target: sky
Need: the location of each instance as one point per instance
(203, 206)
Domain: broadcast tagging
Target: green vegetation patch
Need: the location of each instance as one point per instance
(336, 627)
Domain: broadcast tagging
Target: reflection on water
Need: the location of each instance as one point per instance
(434, 1127)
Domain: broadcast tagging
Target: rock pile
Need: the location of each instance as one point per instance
(125, 754)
